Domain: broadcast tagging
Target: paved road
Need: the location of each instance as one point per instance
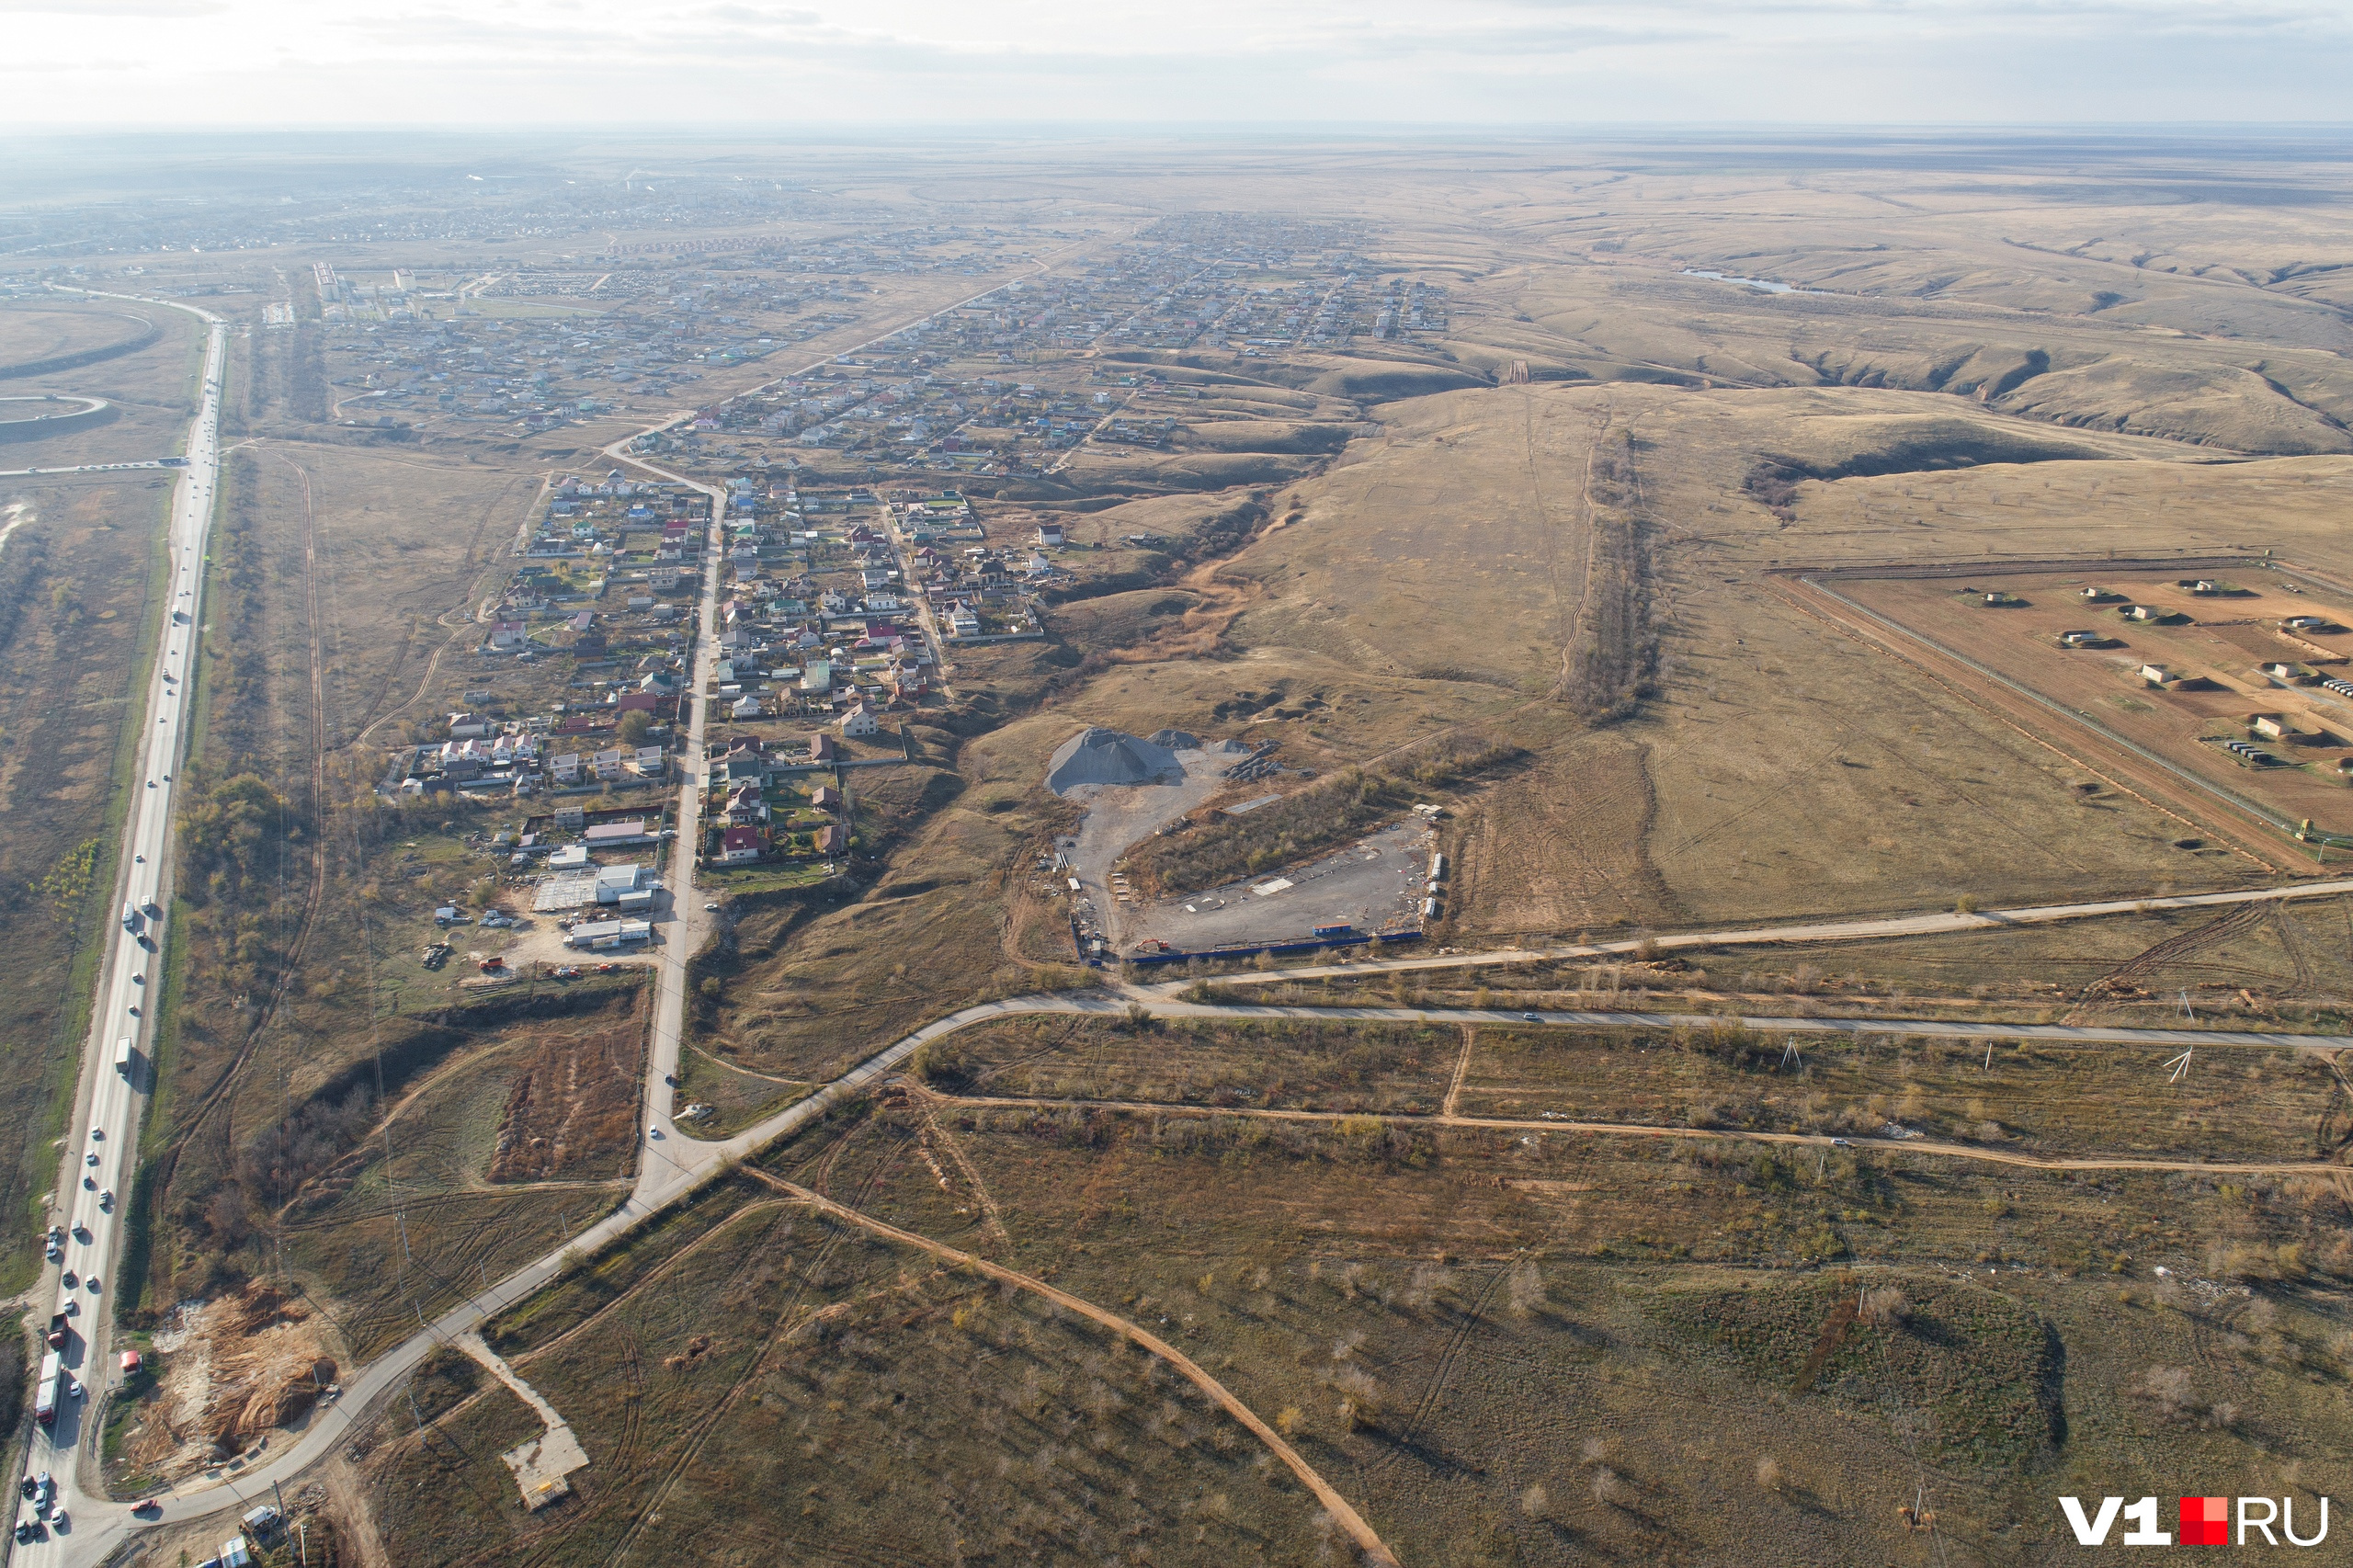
(88, 467)
(676, 1165)
(103, 1135)
(672, 1166)
(1761, 935)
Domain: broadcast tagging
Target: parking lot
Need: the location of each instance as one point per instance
(1377, 883)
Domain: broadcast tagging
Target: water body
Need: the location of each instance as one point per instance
(1764, 284)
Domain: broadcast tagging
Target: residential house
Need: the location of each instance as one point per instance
(833, 839)
(745, 806)
(745, 707)
(822, 749)
(1050, 535)
(611, 764)
(825, 797)
(566, 769)
(465, 726)
(506, 636)
(650, 763)
(740, 846)
(859, 721)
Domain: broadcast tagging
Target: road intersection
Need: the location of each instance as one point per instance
(674, 1165)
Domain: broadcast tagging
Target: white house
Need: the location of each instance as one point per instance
(859, 722)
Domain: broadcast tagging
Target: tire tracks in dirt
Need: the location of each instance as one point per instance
(1342, 1514)
(187, 1127)
(1448, 1359)
(646, 1511)
(1650, 1129)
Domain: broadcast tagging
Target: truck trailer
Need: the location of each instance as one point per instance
(45, 1396)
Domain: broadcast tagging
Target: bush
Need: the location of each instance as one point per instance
(1328, 812)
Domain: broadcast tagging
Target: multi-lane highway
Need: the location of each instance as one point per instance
(101, 1141)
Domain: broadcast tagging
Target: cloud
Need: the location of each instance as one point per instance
(112, 8)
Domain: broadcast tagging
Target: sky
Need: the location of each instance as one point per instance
(914, 64)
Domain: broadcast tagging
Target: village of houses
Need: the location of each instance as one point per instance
(833, 612)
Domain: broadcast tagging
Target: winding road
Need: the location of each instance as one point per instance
(674, 1165)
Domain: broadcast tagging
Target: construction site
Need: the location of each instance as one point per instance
(1132, 789)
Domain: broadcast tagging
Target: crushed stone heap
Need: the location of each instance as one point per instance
(1109, 757)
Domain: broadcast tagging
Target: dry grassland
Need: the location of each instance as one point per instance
(1499, 1343)
(149, 388)
(785, 1382)
(76, 575)
(1448, 1323)
(33, 332)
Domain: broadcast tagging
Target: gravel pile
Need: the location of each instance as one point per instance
(1111, 756)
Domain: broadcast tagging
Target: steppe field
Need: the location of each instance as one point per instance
(1685, 534)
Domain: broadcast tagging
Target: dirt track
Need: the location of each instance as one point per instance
(1375, 1550)
(1646, 1130)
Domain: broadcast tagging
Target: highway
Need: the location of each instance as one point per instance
(673, 1166)
(102, 1136)
(85, 468)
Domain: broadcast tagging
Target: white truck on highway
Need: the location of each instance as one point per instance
(122, 1056)
(52, 1372)
(132, 918)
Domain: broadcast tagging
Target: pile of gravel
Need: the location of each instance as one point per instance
(1111, 756)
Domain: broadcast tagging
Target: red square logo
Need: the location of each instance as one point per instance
(2205, 1521)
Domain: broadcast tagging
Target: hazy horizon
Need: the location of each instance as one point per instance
(909, 63)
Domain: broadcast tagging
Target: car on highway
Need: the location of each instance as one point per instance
(97, 1135)
(106, 1199)
(28, 1526)
(69, 1279)
(710, 909)
(1531, 1018)
(27, 1487)
(90, 1159)
(1841, 1143)
(93, 1283)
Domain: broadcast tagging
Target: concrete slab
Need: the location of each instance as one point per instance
(542, 1465)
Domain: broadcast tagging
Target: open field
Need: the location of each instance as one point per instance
(76, 575)
(149, 387)
(2178, 684)
(1446, 471)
